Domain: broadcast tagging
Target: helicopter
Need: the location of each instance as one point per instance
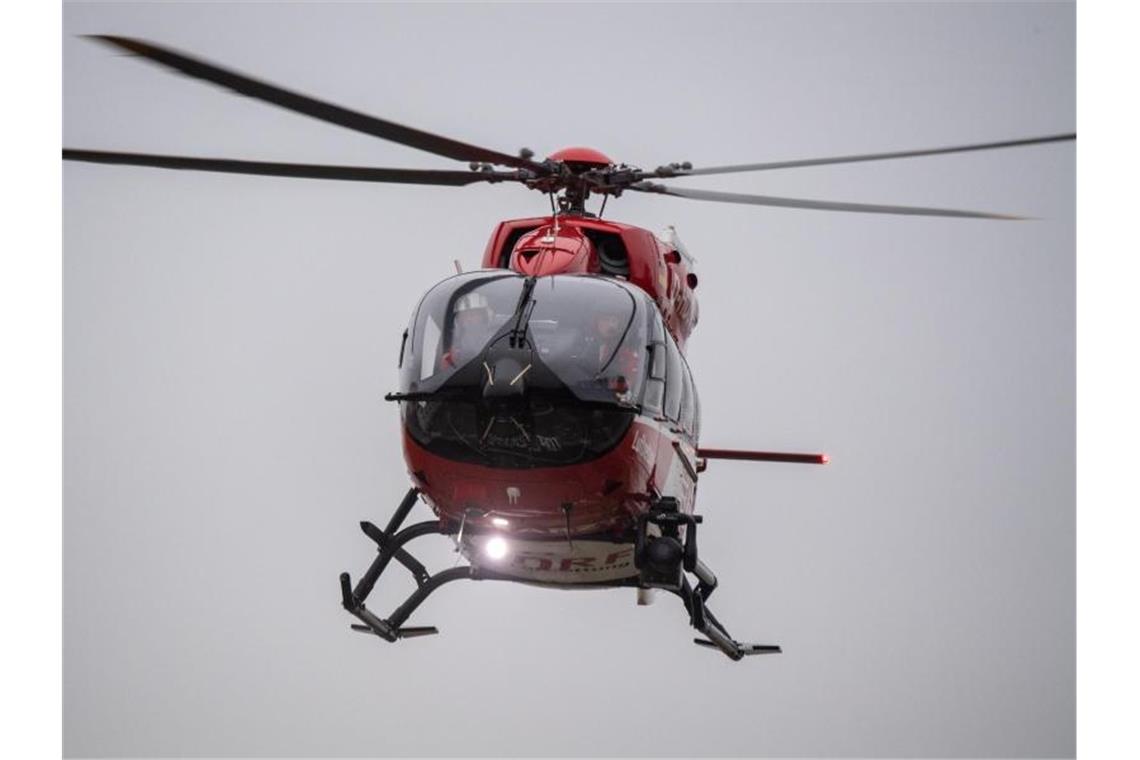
(550, 420)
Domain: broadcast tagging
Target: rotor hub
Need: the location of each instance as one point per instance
(581, 155)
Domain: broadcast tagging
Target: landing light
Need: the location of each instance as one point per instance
(500, 522)
(496, 548)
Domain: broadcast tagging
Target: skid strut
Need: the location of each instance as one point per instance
(390, 543)
(701, 618)
(663, 560)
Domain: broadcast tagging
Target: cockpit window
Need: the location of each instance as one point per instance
(453, 323)
(589, 332)
(586, 331)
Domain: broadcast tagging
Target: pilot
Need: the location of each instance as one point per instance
(609, 329)
(470, 331)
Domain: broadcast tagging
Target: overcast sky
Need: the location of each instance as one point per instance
(228, 340)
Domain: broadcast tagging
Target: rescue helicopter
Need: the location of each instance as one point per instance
(550, 420)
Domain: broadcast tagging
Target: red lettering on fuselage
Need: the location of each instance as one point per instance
(571, 562)
(528, 561)
(613, 558)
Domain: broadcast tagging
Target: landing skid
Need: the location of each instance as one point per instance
(391, 540)
(701, 618)
(663, 560)
(390, 543)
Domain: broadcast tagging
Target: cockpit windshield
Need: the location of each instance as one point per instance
(589, 332)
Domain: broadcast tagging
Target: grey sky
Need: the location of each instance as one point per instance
(228, 340)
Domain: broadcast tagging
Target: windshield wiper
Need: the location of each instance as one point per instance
(522, 313)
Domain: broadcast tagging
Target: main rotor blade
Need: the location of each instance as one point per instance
(767, 200)
(671, 172)
(309, 171)
(318, 109)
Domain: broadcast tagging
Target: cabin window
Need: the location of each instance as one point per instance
(656, 325)
(654, 397)
(695, 426)
(674, 380)
(660, 367)
(687, 399)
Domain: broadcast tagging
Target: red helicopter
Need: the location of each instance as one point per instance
(550, 419)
